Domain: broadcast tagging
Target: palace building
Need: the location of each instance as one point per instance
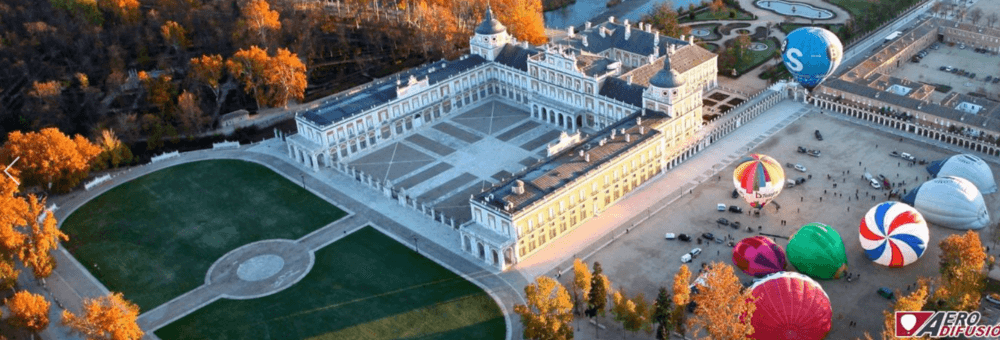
(623, 95)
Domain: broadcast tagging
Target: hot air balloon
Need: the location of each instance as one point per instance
(790, 306)
(811, 54)
(966, 166)
(818, 251)
(759, 256)
(893, 234)
(759, 179)
(951, 202)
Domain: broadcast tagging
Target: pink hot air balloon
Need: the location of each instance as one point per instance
(759, 256)
(790, 306)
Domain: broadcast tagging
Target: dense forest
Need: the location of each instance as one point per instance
(158, 71)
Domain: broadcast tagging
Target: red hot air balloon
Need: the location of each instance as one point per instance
(790, 306)
(759, 256)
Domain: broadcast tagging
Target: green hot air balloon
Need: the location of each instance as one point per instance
(817, 250)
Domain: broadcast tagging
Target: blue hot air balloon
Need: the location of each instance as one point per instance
(811, 54)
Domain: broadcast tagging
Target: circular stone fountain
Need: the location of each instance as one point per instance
(700, 32)
(796, 9)
(758, 46)
(260, 267)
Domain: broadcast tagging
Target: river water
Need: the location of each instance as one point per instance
(584, 10)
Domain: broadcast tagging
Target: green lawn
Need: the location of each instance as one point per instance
(707, 15)
(364, 286)
(837, 29)
(155, 237)
(759, 57)
(855, 7)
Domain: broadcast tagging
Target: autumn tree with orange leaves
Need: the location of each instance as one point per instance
(127, 10)
(29, 311)
(681, 298)
(271, 80)
(28, 233)
(175, 35)
(549, 311)
(51, 159)
(523, 19)
(106, 317)
(258, 20)
(208, 70)
(963, 273)
(724, 307)
(286, 78)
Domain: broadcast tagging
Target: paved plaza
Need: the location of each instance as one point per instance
(462, 155)
(642, 260)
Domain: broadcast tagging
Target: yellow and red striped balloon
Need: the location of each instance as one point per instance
(759, 179)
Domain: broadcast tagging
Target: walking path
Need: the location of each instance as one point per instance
(71, 282)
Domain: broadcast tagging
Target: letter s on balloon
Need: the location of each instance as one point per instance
(793, 62)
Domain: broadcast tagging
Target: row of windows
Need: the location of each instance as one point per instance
(536, 239)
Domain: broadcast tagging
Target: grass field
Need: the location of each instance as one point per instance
(364, 286)
(155, 237)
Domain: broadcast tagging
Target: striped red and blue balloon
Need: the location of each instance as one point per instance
(893, 234)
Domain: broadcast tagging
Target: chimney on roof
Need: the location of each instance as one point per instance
(671, 49)
(630, 79)
(570, 32)
(518, 188)
(625, 22)
(602, 142)
(586, 157)
(638, 120)
(628, 138)
(585, 41)
(623, 131)
(586, 26)
(691, 39)
(682, 37)
(642, 130)
(602, 32)
(611, 19)
(628, 29)
(613, 134)
(656, 38)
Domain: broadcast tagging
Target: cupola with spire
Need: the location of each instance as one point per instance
(666, 88)
(491, 36)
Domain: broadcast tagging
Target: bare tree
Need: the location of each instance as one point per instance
(975, 15)
(992, 19)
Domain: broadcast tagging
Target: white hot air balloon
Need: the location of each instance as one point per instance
(951, 202)
(966, 166)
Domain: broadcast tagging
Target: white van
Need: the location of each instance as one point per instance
(789, 183)
(721, 207)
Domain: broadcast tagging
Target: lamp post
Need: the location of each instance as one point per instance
(415, 246)
(303, 180)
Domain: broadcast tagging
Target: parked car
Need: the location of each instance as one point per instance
(800, 180)
(695, 251)
(996, 79)
(720, 207)
(789, 165)
(736, 193)
(894, 154)
(874, 183)
(886, 293)
(684, 237)
(988, 78)
(735, 224)
(819, 136)
(691, 306)
(708, 236)
(993, 298)
(802, 149)
(972, 76)
(814, 153)
(686, 258)
(718, 240)
(943, 68)
(735, 209)
(670, 236)
(722, 221)
(800, 168)
(907, 156)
